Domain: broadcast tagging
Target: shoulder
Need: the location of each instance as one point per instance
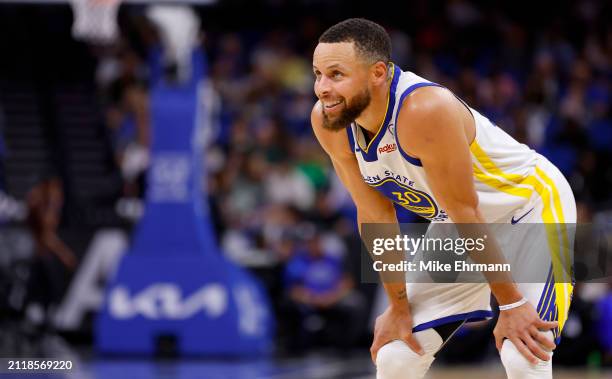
(335, 143)
(425, 114)
(427, 102)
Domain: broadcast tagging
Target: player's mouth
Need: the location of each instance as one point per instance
(330, 107)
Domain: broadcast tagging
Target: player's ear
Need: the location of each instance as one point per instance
(379, 72)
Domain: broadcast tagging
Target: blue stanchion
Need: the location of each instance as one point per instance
(174, 284)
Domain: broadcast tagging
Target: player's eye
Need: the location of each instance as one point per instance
(317, 75)
(337, 75)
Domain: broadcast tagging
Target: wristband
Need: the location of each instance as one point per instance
(506, 307)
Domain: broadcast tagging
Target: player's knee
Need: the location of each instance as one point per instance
(396, 360)
(513, 361)
(518, 367)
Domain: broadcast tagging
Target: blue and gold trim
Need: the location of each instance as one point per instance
(547, 306)
(351, 139)
(468, 317)
(544, 303)
(369, 153)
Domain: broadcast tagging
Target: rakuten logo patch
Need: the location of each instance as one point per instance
(387, 148)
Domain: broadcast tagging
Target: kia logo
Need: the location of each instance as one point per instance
(167, 301)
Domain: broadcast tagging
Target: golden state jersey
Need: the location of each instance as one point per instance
(385, 166)
(513, 184)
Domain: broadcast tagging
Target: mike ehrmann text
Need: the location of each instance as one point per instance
(437, 266)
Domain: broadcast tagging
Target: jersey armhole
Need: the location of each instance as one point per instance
(471, 115)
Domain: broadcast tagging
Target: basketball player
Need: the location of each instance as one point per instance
(374, 119)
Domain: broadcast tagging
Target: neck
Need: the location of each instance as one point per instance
(372, 117)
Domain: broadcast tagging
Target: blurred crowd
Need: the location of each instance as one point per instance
(279, 210)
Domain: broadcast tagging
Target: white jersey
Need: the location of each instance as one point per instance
(385, 166)
(513, 183)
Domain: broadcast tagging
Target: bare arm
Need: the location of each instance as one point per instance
(372, 207)
(60, 250)
(439, 134)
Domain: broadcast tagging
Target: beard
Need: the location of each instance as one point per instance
(350, 112)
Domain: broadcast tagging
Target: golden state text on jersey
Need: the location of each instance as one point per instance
(398, 188)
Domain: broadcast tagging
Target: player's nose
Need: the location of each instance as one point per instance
(322, 87)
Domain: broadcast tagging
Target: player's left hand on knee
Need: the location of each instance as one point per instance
(524, 328)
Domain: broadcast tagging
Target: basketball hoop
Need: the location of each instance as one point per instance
(95, 21)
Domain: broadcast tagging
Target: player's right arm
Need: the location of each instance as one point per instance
(372, 207)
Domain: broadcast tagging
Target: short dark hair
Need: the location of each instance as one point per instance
(371, 40)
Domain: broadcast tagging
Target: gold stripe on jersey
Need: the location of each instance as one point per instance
(562, 269)
(380, 128)
(487, 172)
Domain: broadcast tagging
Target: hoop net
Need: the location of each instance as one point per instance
(95, 21)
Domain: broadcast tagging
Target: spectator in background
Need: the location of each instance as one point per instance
(285, 184)
(52, 260)
(122, 76)
(321, 293)
(10, 208)
(129, 124)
